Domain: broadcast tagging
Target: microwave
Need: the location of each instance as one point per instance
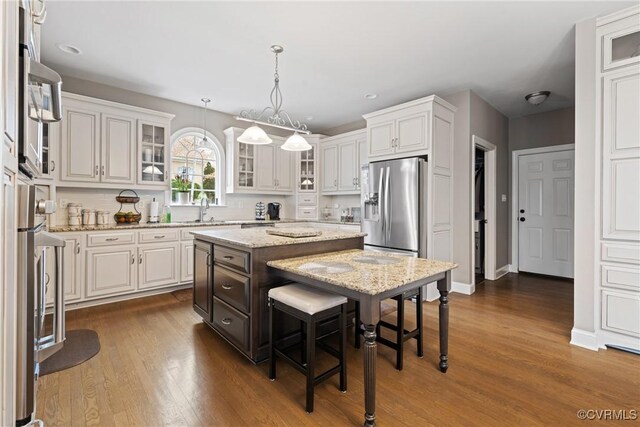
(39, 99)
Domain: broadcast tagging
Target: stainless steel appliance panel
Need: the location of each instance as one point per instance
(402, 201)
(372, 203)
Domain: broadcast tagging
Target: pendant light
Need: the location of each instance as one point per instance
(205, 143)
(274, 116)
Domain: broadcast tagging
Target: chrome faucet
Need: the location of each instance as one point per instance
(203, 208)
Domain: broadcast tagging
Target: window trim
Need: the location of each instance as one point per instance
(218, 150)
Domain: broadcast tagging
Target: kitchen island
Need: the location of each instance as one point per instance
(370, 277)
(232, 280)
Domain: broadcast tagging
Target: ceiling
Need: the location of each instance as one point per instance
(334, 54)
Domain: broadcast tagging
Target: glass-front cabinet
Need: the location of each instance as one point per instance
(152, 156)
(307, 170)
(620, 43)
(246, 165)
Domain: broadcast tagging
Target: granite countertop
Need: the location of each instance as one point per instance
(259, 238)
(372, 279)
(113, 226)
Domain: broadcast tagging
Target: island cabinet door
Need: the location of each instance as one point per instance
(202, 280)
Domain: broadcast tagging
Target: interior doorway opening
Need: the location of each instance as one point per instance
(483, 210)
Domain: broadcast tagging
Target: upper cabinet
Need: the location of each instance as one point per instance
(258, 169)
(403, 130)
(620, 40)
(112, 144)
(9, 64)
(341, 157)
(307, 166)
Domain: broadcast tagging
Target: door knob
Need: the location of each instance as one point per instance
(522, 219)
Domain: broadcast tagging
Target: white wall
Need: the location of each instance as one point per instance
(585, 186)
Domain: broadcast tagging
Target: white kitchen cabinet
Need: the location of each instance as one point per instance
(341, 158)
(186, 262)
(307, 169)
(329, 156)
(403, 130)
(258, 169)
(158, 265)
(118, 149)
(617, 84)
(79, 142)
(110, 271)
(153, 153)
(112, 144)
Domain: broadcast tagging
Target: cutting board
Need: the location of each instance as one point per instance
(294, 232)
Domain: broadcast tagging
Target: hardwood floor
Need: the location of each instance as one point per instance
(510, 364)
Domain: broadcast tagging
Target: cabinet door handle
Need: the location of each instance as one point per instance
(140, 259)
(159, 237)
(227, 257)
(97, 169)
(133, 259)
(226, 321)
(335, 182)
(208, 260)
(226, 286)
(102, 170)
(53, 165)
(77, 248)
(112, 239)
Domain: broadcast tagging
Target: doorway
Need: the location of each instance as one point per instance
(483, 208)
(543, 210)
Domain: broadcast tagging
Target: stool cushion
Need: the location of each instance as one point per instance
(305, 298)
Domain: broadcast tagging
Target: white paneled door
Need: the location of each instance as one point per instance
(545, 213)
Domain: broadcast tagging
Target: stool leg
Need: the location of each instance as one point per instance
(356, 328)
(419, 321)
(311, 361)
(400, 333)
(343, 348)
(272, 353)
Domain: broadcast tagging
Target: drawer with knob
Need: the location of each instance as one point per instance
(109, 239)
(232, 288)
(160, 235)
(232, 258)
(232, 324)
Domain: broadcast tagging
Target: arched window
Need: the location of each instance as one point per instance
(196, 173)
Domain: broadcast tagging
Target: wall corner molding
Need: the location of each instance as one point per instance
(463, 288)
(584, 339)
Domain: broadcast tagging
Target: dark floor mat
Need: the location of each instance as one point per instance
(80, 346)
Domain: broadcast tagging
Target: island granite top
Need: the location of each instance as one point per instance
(259, 238)
(364, 277)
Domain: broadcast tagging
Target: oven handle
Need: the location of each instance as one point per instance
(39, 73)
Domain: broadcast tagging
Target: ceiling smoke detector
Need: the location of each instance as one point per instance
(537, 98)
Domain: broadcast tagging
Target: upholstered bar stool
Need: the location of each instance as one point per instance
(402, 334)
(310, 306)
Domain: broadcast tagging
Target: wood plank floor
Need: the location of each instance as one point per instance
(510, 364)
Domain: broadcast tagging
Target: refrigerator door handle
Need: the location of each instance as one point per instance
(381, 199)
(387, 213)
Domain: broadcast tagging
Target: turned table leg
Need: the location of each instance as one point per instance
(370, 354)
(444, 286)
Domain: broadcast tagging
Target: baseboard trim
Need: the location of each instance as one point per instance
(584, 339)
(463, 288)
(108, 300)
(513, 268)
(502, 271)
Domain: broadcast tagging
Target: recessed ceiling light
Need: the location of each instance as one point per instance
(537, 98)
(370, 95)
(67, 48)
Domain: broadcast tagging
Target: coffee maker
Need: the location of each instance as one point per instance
(273, 210)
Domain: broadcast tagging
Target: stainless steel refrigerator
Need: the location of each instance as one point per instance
(394, 213)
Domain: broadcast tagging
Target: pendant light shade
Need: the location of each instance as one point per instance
(254, 135)
(152, 169)
(296, 143)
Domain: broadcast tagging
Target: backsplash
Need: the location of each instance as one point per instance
(238, 206)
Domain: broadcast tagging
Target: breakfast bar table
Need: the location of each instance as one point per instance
(370, 277)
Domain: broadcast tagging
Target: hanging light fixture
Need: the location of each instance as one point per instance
(274, 116)
(205, 143)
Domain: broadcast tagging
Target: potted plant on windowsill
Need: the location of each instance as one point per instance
(181, 187)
